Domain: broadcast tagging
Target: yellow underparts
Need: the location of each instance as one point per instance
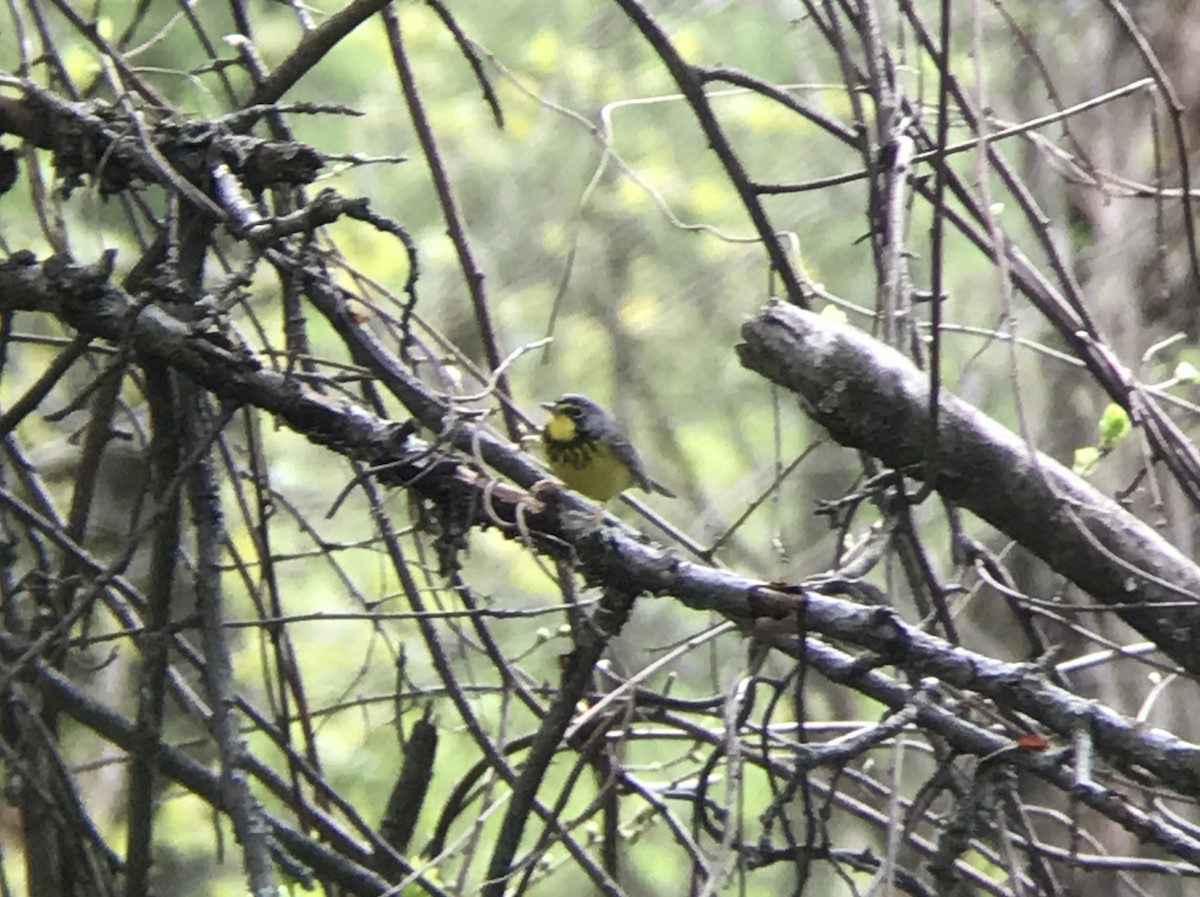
(588, 468)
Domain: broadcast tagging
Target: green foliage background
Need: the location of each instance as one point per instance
(650, 257)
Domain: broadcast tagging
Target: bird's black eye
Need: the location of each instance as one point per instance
(574, 412)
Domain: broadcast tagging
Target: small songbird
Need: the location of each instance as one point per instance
(586, 449)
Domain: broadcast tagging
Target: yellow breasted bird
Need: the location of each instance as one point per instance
(586, 449)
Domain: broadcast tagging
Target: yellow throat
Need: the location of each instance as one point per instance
(589, 468)
(559, 428)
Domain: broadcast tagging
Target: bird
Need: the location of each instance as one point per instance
(586, 449)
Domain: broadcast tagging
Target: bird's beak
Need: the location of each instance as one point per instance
(549, 406)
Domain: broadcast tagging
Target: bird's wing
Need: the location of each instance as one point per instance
(626, 453)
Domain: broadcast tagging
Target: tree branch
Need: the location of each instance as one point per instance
(871, 397)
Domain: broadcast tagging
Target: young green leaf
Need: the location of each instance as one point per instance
(1114, 426)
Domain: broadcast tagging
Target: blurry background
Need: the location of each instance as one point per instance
(599, 216)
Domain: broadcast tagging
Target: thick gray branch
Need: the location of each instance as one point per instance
(613, 555)
(870, 397)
